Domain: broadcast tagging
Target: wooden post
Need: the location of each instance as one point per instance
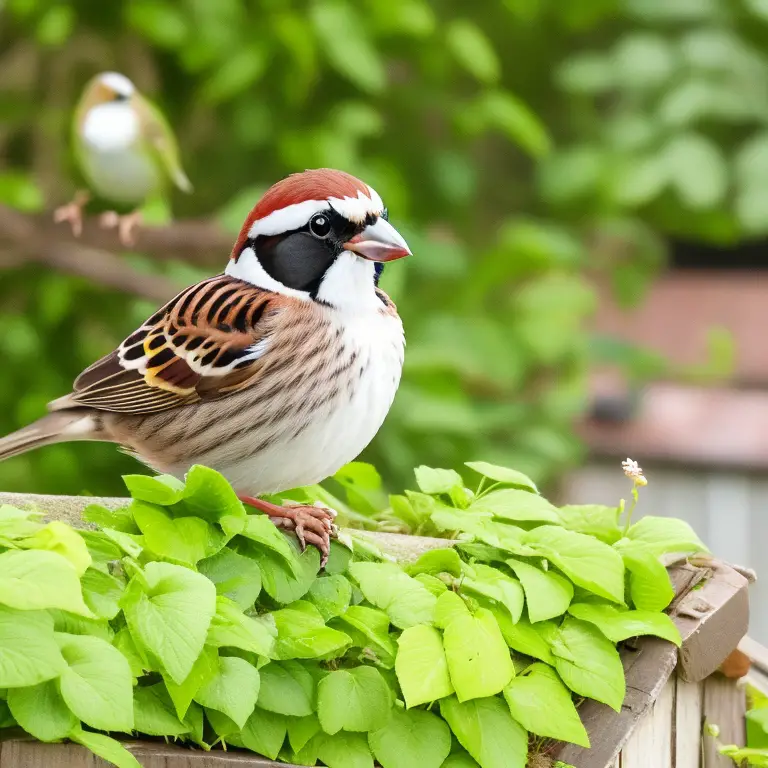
(724, 706)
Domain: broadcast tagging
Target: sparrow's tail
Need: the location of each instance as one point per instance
(57, 427)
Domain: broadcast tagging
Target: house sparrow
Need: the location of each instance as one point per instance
(125, 150)
(276, 373)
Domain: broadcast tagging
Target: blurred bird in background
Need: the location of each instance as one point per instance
(125, 151)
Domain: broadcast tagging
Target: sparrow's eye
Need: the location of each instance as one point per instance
(320, 226)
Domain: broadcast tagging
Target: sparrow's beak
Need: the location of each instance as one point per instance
(379, 242)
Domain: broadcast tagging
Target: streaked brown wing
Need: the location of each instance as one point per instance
(203, 344)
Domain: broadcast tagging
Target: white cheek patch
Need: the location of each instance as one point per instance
(348, 284)
(248, 268)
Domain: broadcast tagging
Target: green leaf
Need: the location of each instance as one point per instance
(523, 637)
(697, 169)
(209, 496)
(345, 750)
(263, 531)
(170, 619)
(432, 583)
(118, 519)
(436, 561)
(660, 535)
(369, 630)
(459, 759)
(19, 523)
(73, 624)
(421, 666)
(491, 582)
(547, 594)
(203, 671)
(649, 584)
(125, 644)
(301, 730)
(511, 116)
(183, 540)
(41, 711)
(29, 653)
(60, 538)
(264, 733)
(105, 747)
(406, 601)
(478, 658)
(233, 690)
(540, 702)
(414, 739)
(516, 505)
(503, 475)
(288, 688)
(303, 635)
(448, 606)
(588, 663)
(97, 684)
(619, 625)
(359, 62)
(154, 713)
(102, 593)
(435, 481)
(487, 731)
(592, 520)
(39, 579)
(587, 562)
(235, 576)
(282, 582)
(356, 699)
(330, 595)
(163, 489)
(472, 49)
(231, 627)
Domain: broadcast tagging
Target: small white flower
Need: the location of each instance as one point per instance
(634, 472)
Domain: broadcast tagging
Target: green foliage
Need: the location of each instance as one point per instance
(347, 664)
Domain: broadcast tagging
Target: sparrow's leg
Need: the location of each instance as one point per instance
(73, 212)
(313, 525)
(125, 225)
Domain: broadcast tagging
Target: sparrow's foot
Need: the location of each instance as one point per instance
(73, 212)
(126, 225)
(312, 525)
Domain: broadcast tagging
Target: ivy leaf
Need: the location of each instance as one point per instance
(286, 583)
(436, 481)
(356, 699)
(473, 50)
(460, 759)
(448, 606)
(587, 562)
(478, 658)
(540, 702)
(19, 523)
(235, 576)
(516, 505)
(154, 713)
(29, 653)
(35, 578)
(369, 629)
(208, 495)
(41, 711)
(164, 490)
(119, 519)
(593, 520)
(547, 594)
(406, 601)
(414, 739)
(183, 540)
(288, 688)
(169, 618)
(264, 733)
(231, 627)
(102, 593)
(233, 690)
(487, 731)
(125, 644)
(330, 595)
(97, 684)
(491, 582)
(619, 625)
(344, 750)
(659, 535)
(301, 730)
(60, 538)
(436, 561)
(260, 529)
(649, 584)
(303, 635)
(432, 583)
(105, 747)
(203, 671)
(503, 475)
(421, 666)
(588, 663)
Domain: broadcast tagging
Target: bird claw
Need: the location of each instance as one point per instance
(73, 213)
(126, 225)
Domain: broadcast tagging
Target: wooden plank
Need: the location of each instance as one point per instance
(688, 724)
(651, 742)
(724, 706)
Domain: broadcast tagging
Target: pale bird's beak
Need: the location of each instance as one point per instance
(379, 242)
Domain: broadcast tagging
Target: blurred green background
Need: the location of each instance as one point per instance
(523, 147)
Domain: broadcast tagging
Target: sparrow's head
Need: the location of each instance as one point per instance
(322, 235)
(108, 87)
